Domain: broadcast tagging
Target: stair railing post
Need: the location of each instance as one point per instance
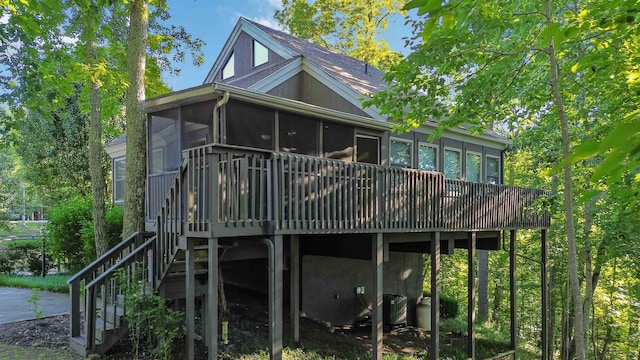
(74, 290)
(90, 318)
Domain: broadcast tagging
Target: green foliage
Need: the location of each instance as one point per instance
(153, 326)
(34, 300)
(22, 244)
(56, 283)
(22, 255)
(63, 235)
(70, 232)
(349, 27)
(114, 218)
(449, 308)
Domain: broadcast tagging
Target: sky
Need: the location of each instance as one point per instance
(213, 21)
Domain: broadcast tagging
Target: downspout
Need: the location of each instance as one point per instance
(216, 127)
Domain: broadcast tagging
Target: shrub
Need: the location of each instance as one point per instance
(70, 232)
(6, 266)
(449, 307)
(63, 232)
(22, 255)
(114, 218)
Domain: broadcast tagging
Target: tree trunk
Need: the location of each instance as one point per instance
(551, 321)
(96, 148)
(483, 286)
(572, 257)
(135, 166)
(588, 272)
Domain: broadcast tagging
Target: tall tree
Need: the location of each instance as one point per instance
(91, 15)
(135, 167)
(522, 63)
(353, 27)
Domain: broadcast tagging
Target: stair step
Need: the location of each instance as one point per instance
(79, 345)
(181, 266)
(101, 328)
(182, 273)
(115, 315)
(201, 252)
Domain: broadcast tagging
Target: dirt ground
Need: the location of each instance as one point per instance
(248, 321)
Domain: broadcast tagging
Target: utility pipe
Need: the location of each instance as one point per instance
(220, 103)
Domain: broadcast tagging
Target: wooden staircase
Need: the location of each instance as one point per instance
(98, 323)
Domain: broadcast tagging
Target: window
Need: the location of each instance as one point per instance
(427, 157)
(260, 54)
(337, 141)
(493, 169)
(157, 161)
(367, 149)
(229, 68)
(298, 134)
(400, 152)
(452, 164)
(118, 180)
(473, 167)
(249, 125)
(163, 148)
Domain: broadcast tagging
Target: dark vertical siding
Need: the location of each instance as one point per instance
(289, 89)
(316, 93)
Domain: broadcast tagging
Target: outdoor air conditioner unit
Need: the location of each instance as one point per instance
(394, 310)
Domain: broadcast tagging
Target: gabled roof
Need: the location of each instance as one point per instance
(350, 78)
(360, 76)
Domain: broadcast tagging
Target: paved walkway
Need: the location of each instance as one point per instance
(14, 304)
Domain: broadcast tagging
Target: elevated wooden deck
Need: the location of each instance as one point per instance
(227, 191)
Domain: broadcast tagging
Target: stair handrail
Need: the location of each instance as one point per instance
(91, 271)
(162, 259)
(103, 280)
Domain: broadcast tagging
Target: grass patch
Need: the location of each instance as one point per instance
(56, 283)
(30, 229)
(32, 353)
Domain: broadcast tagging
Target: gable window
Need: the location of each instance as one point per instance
(229, 68)
(118, 180)
(427, 157)
(260, 54)
(367, 149)
(493, 169)
(400, 152)
(452, 165)
(473, 166)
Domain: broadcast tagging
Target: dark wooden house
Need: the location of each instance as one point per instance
(273, 172)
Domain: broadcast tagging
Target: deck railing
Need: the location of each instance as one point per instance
(228, 187)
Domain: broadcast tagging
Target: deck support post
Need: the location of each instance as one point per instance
(471, 302)
(294, 284)
(435, 297)
(212, 300)
(545, 295)
(190, 297)
(377, 257)
(275, 254)
(512, 292)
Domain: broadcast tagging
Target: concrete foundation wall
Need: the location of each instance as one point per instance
(328, 286)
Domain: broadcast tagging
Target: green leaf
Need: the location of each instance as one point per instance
(448, 21)
(558, 38)
(414, 4)
(429, 26)
(548, 33)
(571, 32)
